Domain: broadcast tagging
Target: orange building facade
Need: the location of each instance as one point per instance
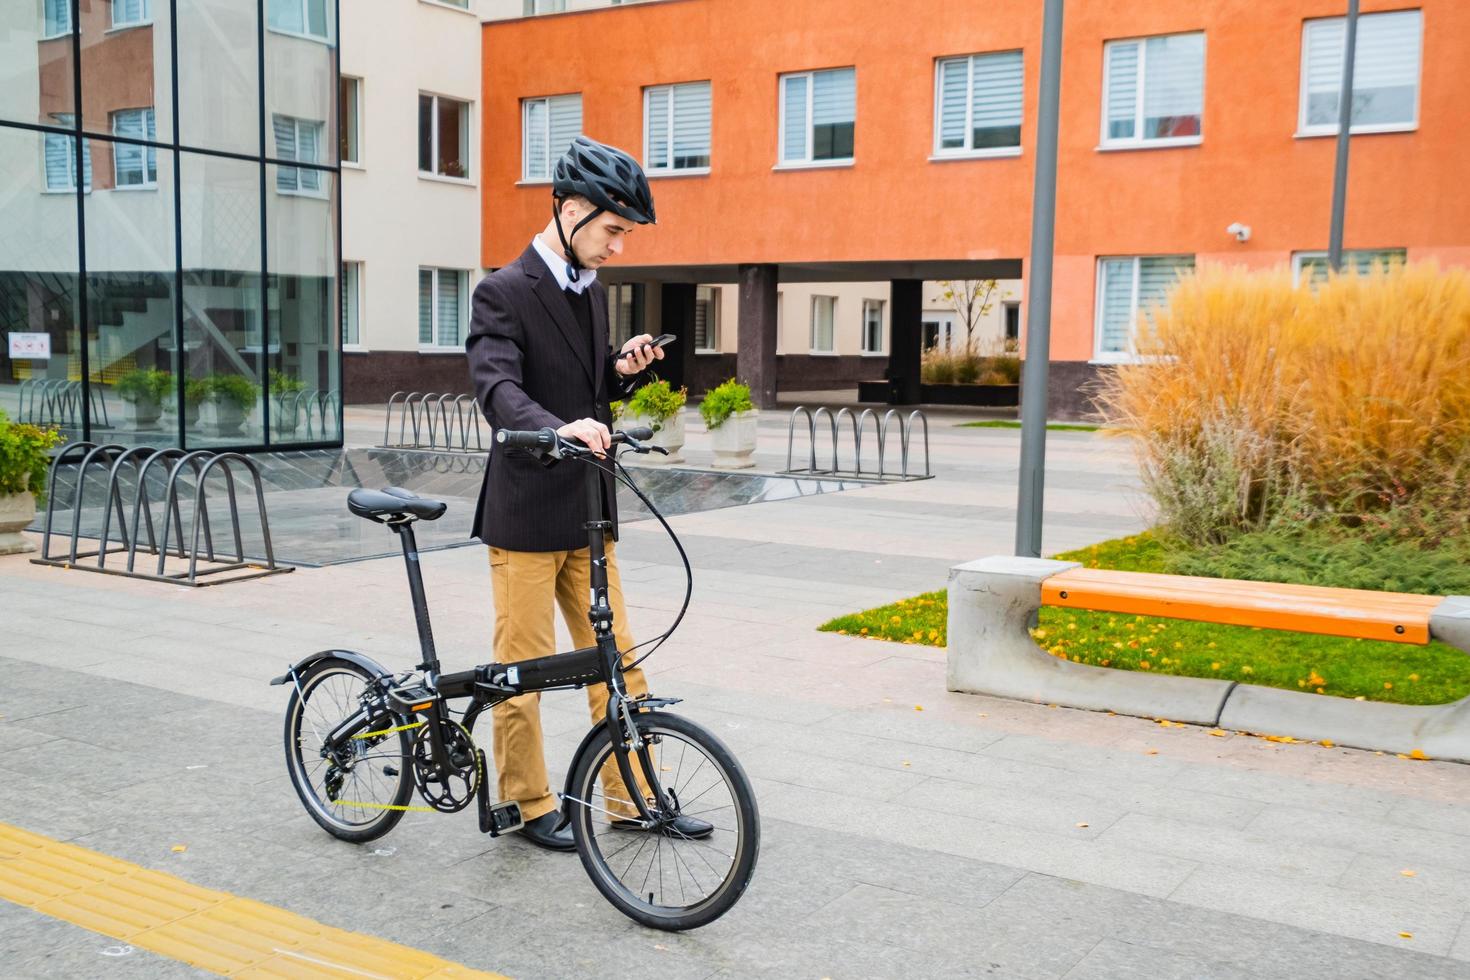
(1233, 138)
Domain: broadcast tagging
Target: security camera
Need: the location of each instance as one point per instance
(1241, 232)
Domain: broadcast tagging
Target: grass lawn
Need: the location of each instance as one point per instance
(1327, 665)
(1008, 424)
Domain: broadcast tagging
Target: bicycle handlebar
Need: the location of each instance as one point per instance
(545, 440)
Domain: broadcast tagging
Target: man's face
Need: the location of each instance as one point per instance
(601, 238)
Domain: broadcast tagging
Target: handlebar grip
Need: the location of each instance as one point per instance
(542, 439)
(639, 432)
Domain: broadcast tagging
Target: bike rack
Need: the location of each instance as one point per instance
(903, 425)
(141, 461)
(434, 421)
(58, 401)
(320, 409)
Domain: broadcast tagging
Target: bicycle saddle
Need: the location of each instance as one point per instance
(376, 505)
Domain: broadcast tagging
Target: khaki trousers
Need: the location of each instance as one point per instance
(525, 585)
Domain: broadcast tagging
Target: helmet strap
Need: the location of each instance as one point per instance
(574, 264)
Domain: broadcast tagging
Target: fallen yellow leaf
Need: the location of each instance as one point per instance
(918, 707)
(1419, 755)
(1219, 732)
(1407, 873)
(1082, 824)
(179, 848)
(1151, 752)
(1406, 935)
(1328, 743)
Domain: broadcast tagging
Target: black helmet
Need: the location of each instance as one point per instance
(607, 177)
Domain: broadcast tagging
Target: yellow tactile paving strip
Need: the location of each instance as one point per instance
(208, 929)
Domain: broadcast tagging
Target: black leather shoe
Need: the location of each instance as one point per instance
(691, 827)
(544, 832)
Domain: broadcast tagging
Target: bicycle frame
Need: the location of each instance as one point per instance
(489, 684)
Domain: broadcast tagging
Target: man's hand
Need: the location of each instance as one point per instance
(591, 432)
(643, 354)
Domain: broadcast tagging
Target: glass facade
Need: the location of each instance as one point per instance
(169, 190)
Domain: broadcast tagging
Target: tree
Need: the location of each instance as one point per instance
(971, 299)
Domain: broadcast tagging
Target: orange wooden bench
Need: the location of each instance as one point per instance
(1395, 616)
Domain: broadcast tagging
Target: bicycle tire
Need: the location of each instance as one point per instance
(373, 817)
(736, 836)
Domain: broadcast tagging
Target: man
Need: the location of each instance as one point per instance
(538, 357)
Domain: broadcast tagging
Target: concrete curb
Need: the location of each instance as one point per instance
(991, 605)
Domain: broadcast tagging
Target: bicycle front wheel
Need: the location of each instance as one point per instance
(359, 792)
(664, 878)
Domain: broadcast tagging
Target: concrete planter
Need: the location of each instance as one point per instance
(668, 433)
(142, 414)
(222, 418)
(16, 511)
(734, 441)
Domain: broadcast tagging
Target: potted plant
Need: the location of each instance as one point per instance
(286, 393)
(232, 397)
(23, 464)
(143, 391)
(195, 391)
(659, 407)
(731, 418)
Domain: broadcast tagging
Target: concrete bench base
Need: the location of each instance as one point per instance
(991, 605)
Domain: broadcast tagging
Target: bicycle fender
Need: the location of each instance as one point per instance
(361, 660)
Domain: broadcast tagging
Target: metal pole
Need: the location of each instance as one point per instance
(1038, 297)
(1344, 134)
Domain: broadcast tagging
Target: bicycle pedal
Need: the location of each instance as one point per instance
(504, 818)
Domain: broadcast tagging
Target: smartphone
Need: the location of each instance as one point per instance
(662, 340)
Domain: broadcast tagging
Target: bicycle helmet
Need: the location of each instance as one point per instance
(606, 176)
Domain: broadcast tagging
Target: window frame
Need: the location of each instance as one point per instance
(353, 345)
(328, 11)
(812, 349)
(551, 158)
(356, 161)
(712, 320)
(145, 8)
(1299, 259)
(1305, 131)
(1137, 142)
(968, 152)
(436, 346)
(65, 31)
(1130, 355)
(295, 162)
(467, 130)
(807, 162)
(77, 169)
(672, 171)
(880, 351)
(149, 152)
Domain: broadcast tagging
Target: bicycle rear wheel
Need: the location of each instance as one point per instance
(660, 877)
(359, 792)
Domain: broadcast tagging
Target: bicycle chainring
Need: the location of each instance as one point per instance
(452, 787)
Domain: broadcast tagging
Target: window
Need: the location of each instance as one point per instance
(444, 136)
(978, 105)
(817, 113)
(824, 314)
(872, 326)
(624, 312)
(1385, 73)
(676, 128)
(441, 307)
(58, 18)
(349, 135)
(1313, 266)
(134, 166)
(299, 140)
(61, 158)
(130, 13)
(937, 330)
(351, 302)
(1153, 90)
(305, 17)
(548, 127)
(1127, 287)
(533, 7)
(1013, 323)
(707, 320)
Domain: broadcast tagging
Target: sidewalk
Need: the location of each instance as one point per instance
(907, 831)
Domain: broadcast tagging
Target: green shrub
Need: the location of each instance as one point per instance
(656, 401)
(283, 384)
(617, 410)
(23, 457)
(233, 388)
(724, 401)
(195, 391)
(145, 384)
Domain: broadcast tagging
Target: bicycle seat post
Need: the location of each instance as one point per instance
(404, 530)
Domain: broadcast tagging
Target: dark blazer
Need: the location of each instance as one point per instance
(531, 367)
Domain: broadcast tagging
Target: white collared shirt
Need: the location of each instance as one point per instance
(558, 267)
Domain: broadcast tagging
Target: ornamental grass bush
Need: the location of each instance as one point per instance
(1260, 405)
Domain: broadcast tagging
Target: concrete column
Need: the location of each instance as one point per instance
(905, 340)
(676, 316)
(755, 360)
